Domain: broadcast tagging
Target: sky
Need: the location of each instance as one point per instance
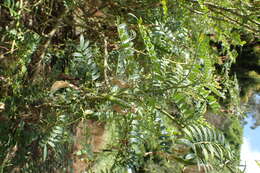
(248, 156)
(250, 150)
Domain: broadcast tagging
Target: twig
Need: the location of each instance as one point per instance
(219, 10)
(174, 120)
(226, 19)
(4, 47)
(105, 62)
(210, 5)
(229, 19)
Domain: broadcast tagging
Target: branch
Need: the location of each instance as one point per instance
(219, 10)
(210, 5)
(39, 54)
(235, 21)
(92, 12)
(176, 123)
(226, 19)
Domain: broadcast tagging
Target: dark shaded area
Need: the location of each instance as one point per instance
(247, 69)
(248, 59)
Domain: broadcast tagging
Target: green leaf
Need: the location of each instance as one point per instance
(51, 144)
(190, 156)
(205, 152)
(45, 152)
(185, 142)
(81, 42)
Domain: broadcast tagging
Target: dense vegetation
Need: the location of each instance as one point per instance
(122, 86)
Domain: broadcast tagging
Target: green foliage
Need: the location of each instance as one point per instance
(142, 68)
(83, 65)
(206, 144)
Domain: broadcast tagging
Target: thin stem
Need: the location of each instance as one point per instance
(105, 62)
